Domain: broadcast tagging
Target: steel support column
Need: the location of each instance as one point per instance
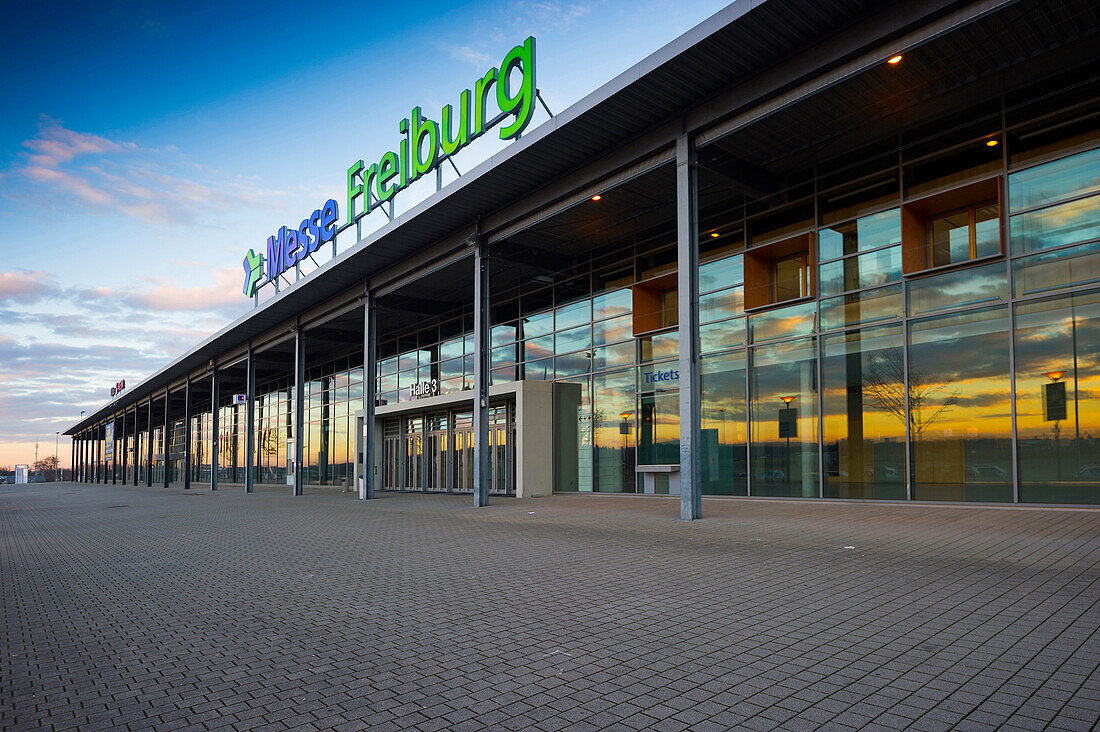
(114, 449)
(165, 440)
(687, 295)
(137, 444)
(214, 427)
(370, 351)
(187, 435)
(299, 407)
(250, 420)
(124, 458)
(482, 476)
(149, 444)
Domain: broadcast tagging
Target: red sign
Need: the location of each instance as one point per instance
(117, 388)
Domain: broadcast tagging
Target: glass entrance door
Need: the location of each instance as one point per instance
(462, 455)
(437, 453)
(413, 478)
(501, 434)
(392, 452)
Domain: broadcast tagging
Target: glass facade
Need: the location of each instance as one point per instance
(918, 320)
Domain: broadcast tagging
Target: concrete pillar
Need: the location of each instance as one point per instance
(687, 283)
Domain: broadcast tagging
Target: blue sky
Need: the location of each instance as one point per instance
(146, 146)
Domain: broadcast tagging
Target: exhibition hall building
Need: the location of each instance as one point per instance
(843, 249)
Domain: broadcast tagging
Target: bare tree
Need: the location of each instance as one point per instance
(47, 464)
(885, 383)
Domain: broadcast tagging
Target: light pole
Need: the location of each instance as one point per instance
(1054, 376)
(57, 460)
(785, 426)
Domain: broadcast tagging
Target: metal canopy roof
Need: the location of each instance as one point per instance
(740, 43)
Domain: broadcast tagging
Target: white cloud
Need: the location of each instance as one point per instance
(120, 176)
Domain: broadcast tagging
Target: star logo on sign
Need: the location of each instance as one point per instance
(253, 269)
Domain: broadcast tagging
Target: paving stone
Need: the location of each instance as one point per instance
(163, 609)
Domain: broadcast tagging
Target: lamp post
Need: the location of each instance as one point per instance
(57, 460)
(785, 429)
(624, 430)
(1054, 377)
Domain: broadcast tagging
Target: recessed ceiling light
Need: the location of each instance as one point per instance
(894, 59)
(991, 143)
(714, 235)
(597, 197)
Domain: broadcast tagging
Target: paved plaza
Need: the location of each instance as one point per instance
(158, 608)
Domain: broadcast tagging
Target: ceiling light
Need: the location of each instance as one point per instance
(991, 143)
(894, 59)
(714, 235)
(597, 197)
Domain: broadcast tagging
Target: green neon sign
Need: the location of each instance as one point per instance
(427, 144)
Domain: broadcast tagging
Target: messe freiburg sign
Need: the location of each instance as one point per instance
(425, 145)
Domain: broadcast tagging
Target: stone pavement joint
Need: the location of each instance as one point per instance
(135, 608)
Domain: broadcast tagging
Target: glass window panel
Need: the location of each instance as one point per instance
(387, 366)
(614, 330)
(573, 339)
(790, 278)
(1067, 223)
(863, 413)
(611, 304)
(541, 370)
(960, 418)
(721, 335)
(536, 348)
(987, 231)
(659, 346)
(613, 431)
(572, 364)
(620, 354)
(451, 348)
(447, 370)
(951, 238)
(1072, 176)
(1056, 270)
(969, 286)
(724, 425)
(783, 459)
(862, 307)
(502, 375)
(503, 356)
(722, 305)
(785, 322)
(861, 235)
(721, 273)
(659, 428)
(856, 273)
(1057, 410)
(538, 324)
(574, 314)
(503, 334)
